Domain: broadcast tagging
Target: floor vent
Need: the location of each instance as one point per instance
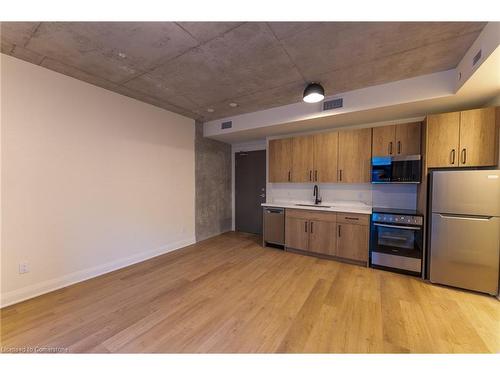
(333, 104)
(226, 125)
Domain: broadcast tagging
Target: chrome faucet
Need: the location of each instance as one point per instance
(317, 199)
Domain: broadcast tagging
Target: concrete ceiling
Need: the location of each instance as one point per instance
(188, 67)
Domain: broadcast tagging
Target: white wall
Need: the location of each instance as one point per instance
(91, 180)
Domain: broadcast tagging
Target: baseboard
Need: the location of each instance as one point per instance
(47, 286)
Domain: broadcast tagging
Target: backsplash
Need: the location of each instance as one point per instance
(382, 195)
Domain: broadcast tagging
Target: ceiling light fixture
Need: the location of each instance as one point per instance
(210, 110)
(313, 93)
(234, 105)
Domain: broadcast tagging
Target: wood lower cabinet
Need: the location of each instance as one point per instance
(322, 238)
(352, 242)
(297, 233)
(354, 155)
(280, 160)
(302, 159)
(328, 233)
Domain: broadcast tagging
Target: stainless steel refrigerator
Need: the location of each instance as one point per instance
(465, 229)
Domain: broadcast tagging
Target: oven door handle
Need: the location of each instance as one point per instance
(396, 226)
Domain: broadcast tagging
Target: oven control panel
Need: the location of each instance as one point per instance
(397, 219)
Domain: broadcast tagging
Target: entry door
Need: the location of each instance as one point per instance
(249, 190)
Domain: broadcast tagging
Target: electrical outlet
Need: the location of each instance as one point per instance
(23, 268)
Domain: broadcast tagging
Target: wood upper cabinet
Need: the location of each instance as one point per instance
(354, 155)
(352, 241)
(302, 159)
(384, 138)
(478, 138)
(322, 238)
(296, 233)
(408, 138)
(442, 140)
(462, 139)
(325, 157)
(400, 139)
(280, 160)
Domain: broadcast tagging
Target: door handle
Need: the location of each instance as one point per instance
(339, 229)
(390, 148)
(310, 175)
(289, 176)
(452, 156)
(396, 226)
(312, 222)
(305, 226)
(464, 156)
(399, 147)
(465, 217)
(316, 175)
(340, 174)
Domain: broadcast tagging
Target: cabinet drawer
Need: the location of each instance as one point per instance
(311, 215)
(348, 218)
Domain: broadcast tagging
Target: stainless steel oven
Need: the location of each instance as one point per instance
(396, 169)
(396, 238)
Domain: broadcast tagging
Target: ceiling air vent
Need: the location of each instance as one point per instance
(333, 104)
(226, 125)
(476, 58)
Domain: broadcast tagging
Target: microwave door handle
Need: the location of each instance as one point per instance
(396, 226)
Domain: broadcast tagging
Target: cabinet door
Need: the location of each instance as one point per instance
(408, 138)
(478, 138)
(297, 233)
(322, 237)
(280, 160)
(443, 140)
(383, 143)
(352, 242)
(354, 155)
(325, 157)
(302, 159)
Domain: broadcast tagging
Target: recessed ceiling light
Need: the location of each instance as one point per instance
(211, 110)
(122, 55)
(313, 93)
(234, 105)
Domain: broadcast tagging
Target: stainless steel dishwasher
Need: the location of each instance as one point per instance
(274, 226)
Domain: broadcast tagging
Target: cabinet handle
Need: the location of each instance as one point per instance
(464, 156)
(289, 179)
(453, 156)
(399, 147)
(339, 229)
(351, 218)
(390, 148)
(310, 175)
(316, 175)
(312, 226)
(340, 177)
(305, 226)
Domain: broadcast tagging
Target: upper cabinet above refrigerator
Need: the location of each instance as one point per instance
(462, 139)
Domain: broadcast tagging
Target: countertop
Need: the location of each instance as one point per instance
(350, 207)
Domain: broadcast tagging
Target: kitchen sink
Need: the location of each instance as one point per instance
(312, 205)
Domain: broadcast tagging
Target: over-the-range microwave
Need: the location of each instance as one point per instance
(396, 169)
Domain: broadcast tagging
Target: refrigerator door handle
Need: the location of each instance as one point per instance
(466, 217)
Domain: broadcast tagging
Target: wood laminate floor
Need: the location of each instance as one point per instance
(228, 294)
